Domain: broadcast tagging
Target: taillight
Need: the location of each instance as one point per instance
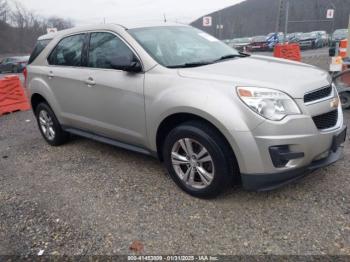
(25, 73)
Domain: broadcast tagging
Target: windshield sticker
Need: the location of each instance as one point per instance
(208, 37)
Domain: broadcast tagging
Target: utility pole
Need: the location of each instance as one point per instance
(335, 13)
(286, 22)
(279, 15)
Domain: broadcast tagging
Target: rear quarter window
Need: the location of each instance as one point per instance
(39, 47)
(68, 51)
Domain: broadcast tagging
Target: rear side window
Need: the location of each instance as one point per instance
(68, 52)
(107, 50)
(39, 47)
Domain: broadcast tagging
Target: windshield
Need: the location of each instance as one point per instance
(241, 40)
(259, 39)
(341, 33)
(173, 46)
(308, 35)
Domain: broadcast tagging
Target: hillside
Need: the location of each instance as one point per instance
(20, 27)
(256, 17)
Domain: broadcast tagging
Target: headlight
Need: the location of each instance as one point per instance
(269, 103)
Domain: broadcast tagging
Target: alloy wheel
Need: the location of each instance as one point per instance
(192, 163)
(46, 125)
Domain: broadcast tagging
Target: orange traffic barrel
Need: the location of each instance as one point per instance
(12, 96)
(343, 48)
(288, 51)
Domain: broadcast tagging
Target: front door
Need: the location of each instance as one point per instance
(115, 97)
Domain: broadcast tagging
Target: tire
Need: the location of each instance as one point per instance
(15, 70)
(54, 134)
(345, 99)
(221, 168)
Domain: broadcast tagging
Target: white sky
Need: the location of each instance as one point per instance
(119, 11)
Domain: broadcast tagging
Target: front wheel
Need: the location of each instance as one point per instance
(198, 159)
(345, 99)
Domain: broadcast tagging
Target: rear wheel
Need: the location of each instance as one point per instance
(345, 99)
(49, 126)
(198, 159)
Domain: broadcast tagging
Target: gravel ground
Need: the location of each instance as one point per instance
(87, 198)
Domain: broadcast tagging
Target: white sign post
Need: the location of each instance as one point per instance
(51, 30)
(207, 21)
(330, 13)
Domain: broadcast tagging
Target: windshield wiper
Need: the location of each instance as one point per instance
(187, 65)
(204, 63)
(231, 56)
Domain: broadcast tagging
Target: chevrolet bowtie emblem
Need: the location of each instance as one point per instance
(335, 103)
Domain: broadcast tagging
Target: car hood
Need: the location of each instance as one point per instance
(337, 39)
(291, 77)
(240, 44)
(308, 39)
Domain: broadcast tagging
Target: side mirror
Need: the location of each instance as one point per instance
(124, 64)
(135, 67)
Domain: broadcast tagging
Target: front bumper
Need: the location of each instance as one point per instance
(266, 182)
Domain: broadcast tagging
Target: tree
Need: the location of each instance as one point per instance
(21, 27)
(59, 23)
(3, 10)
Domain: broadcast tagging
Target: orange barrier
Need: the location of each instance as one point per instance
(12, 96)
(343, 48)
(288, 51)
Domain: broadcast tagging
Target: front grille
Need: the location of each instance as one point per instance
(327, 120)
(317, 95)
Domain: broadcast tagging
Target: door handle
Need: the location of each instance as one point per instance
(90, 82)
(50, 75)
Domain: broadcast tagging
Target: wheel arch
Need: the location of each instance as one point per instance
(36, 99)
(176, 119)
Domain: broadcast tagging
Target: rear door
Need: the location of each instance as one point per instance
(65, 76)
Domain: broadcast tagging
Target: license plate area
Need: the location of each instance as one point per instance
(338, 140)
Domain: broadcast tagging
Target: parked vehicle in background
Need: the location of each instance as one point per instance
(337, 36)
(13, 64)
(259, 43)
(273, 39)
(310, 40)
(240, 44)
(322, 37)
(294, 37)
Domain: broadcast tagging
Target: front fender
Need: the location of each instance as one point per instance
(213, 101)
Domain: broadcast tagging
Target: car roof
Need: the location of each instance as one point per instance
(105, 27)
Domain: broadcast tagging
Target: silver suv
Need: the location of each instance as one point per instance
(211, 114)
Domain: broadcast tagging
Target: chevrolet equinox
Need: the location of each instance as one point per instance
(212, 115)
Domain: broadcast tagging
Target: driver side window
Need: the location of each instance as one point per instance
(107, 51)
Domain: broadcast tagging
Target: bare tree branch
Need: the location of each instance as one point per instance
(22, 27)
